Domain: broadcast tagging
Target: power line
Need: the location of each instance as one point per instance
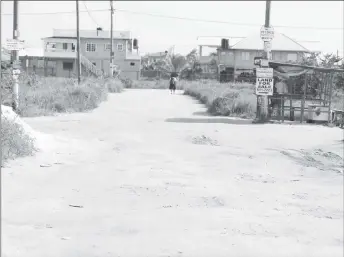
(89, 14)
(186, 19)
(56, 13)
(226, 22)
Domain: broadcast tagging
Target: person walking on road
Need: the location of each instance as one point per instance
(173, 82)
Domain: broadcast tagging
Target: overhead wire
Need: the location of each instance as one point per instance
(186, 19)
(89, 14)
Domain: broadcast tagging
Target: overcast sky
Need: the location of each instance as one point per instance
(158, 33)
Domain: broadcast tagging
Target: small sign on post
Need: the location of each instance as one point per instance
(264, 81)
(16, 64)
(267, 33)
(14, 45)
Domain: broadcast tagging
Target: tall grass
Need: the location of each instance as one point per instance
(227, 99)
(15, 142)
(39, 96)
(48, 95)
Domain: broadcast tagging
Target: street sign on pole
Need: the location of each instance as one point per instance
(265, 72)
(267, 46)
(267, 33)
(264, 81)
(16, 64)
(14, 44)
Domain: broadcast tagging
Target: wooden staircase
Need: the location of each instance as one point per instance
(90, 68)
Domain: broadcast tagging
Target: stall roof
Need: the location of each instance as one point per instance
(276, 64)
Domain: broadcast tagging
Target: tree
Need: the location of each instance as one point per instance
(176, 63)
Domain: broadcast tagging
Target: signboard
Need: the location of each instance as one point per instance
(265, 72)
(264, 86)
(264, 63)
(15, 72)
(16, 64)
(267, 46)
(264, 81)
(267, 34)
(14, 44)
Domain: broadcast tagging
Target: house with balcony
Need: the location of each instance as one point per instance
(238, 59)
(60, 53)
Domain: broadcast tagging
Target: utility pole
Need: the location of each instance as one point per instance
(78, 43)
(15, 59)
(111, 41)
(0, 123)
(263, 100)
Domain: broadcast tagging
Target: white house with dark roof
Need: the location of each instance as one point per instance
(239, 58)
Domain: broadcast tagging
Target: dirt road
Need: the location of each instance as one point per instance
(146, 174)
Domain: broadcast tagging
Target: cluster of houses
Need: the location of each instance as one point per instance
(58, 57)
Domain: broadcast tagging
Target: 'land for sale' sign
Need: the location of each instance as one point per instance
(264, 86)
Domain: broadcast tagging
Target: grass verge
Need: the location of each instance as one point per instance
(236, 99)
(41, 96)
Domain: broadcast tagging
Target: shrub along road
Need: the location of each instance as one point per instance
(146, 174)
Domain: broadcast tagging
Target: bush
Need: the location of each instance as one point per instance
(114, 85)
(15, 141)
(224, 99)
(45, 96)
(128, 83)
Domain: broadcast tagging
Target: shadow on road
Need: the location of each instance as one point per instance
(201, 114)
(210, 120)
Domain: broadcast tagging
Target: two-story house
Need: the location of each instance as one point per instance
(239, 58)
(60, 52)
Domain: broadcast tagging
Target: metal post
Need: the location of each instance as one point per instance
(78, 43)
(15, 59)
(111, 41)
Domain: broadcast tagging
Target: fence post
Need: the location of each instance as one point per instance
(303, 99)
(330, 98)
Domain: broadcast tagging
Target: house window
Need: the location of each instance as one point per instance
(67, 65)
(223, 53)
(132, 64)
(65, 46)
(107, 47)
(292, 57)
(245, 56)
(73, 47)
(120, 47)
(90, 47)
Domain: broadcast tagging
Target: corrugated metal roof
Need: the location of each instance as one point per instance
(280, 42)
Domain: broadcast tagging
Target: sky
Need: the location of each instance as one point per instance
(157, 34)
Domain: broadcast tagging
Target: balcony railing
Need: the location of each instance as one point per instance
(62, 53)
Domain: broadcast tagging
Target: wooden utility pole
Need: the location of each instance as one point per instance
(111, 41)
(0, 123)
(78, 43)
(263, 100)
(15, 59)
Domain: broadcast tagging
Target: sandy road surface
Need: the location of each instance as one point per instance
(156, 178)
